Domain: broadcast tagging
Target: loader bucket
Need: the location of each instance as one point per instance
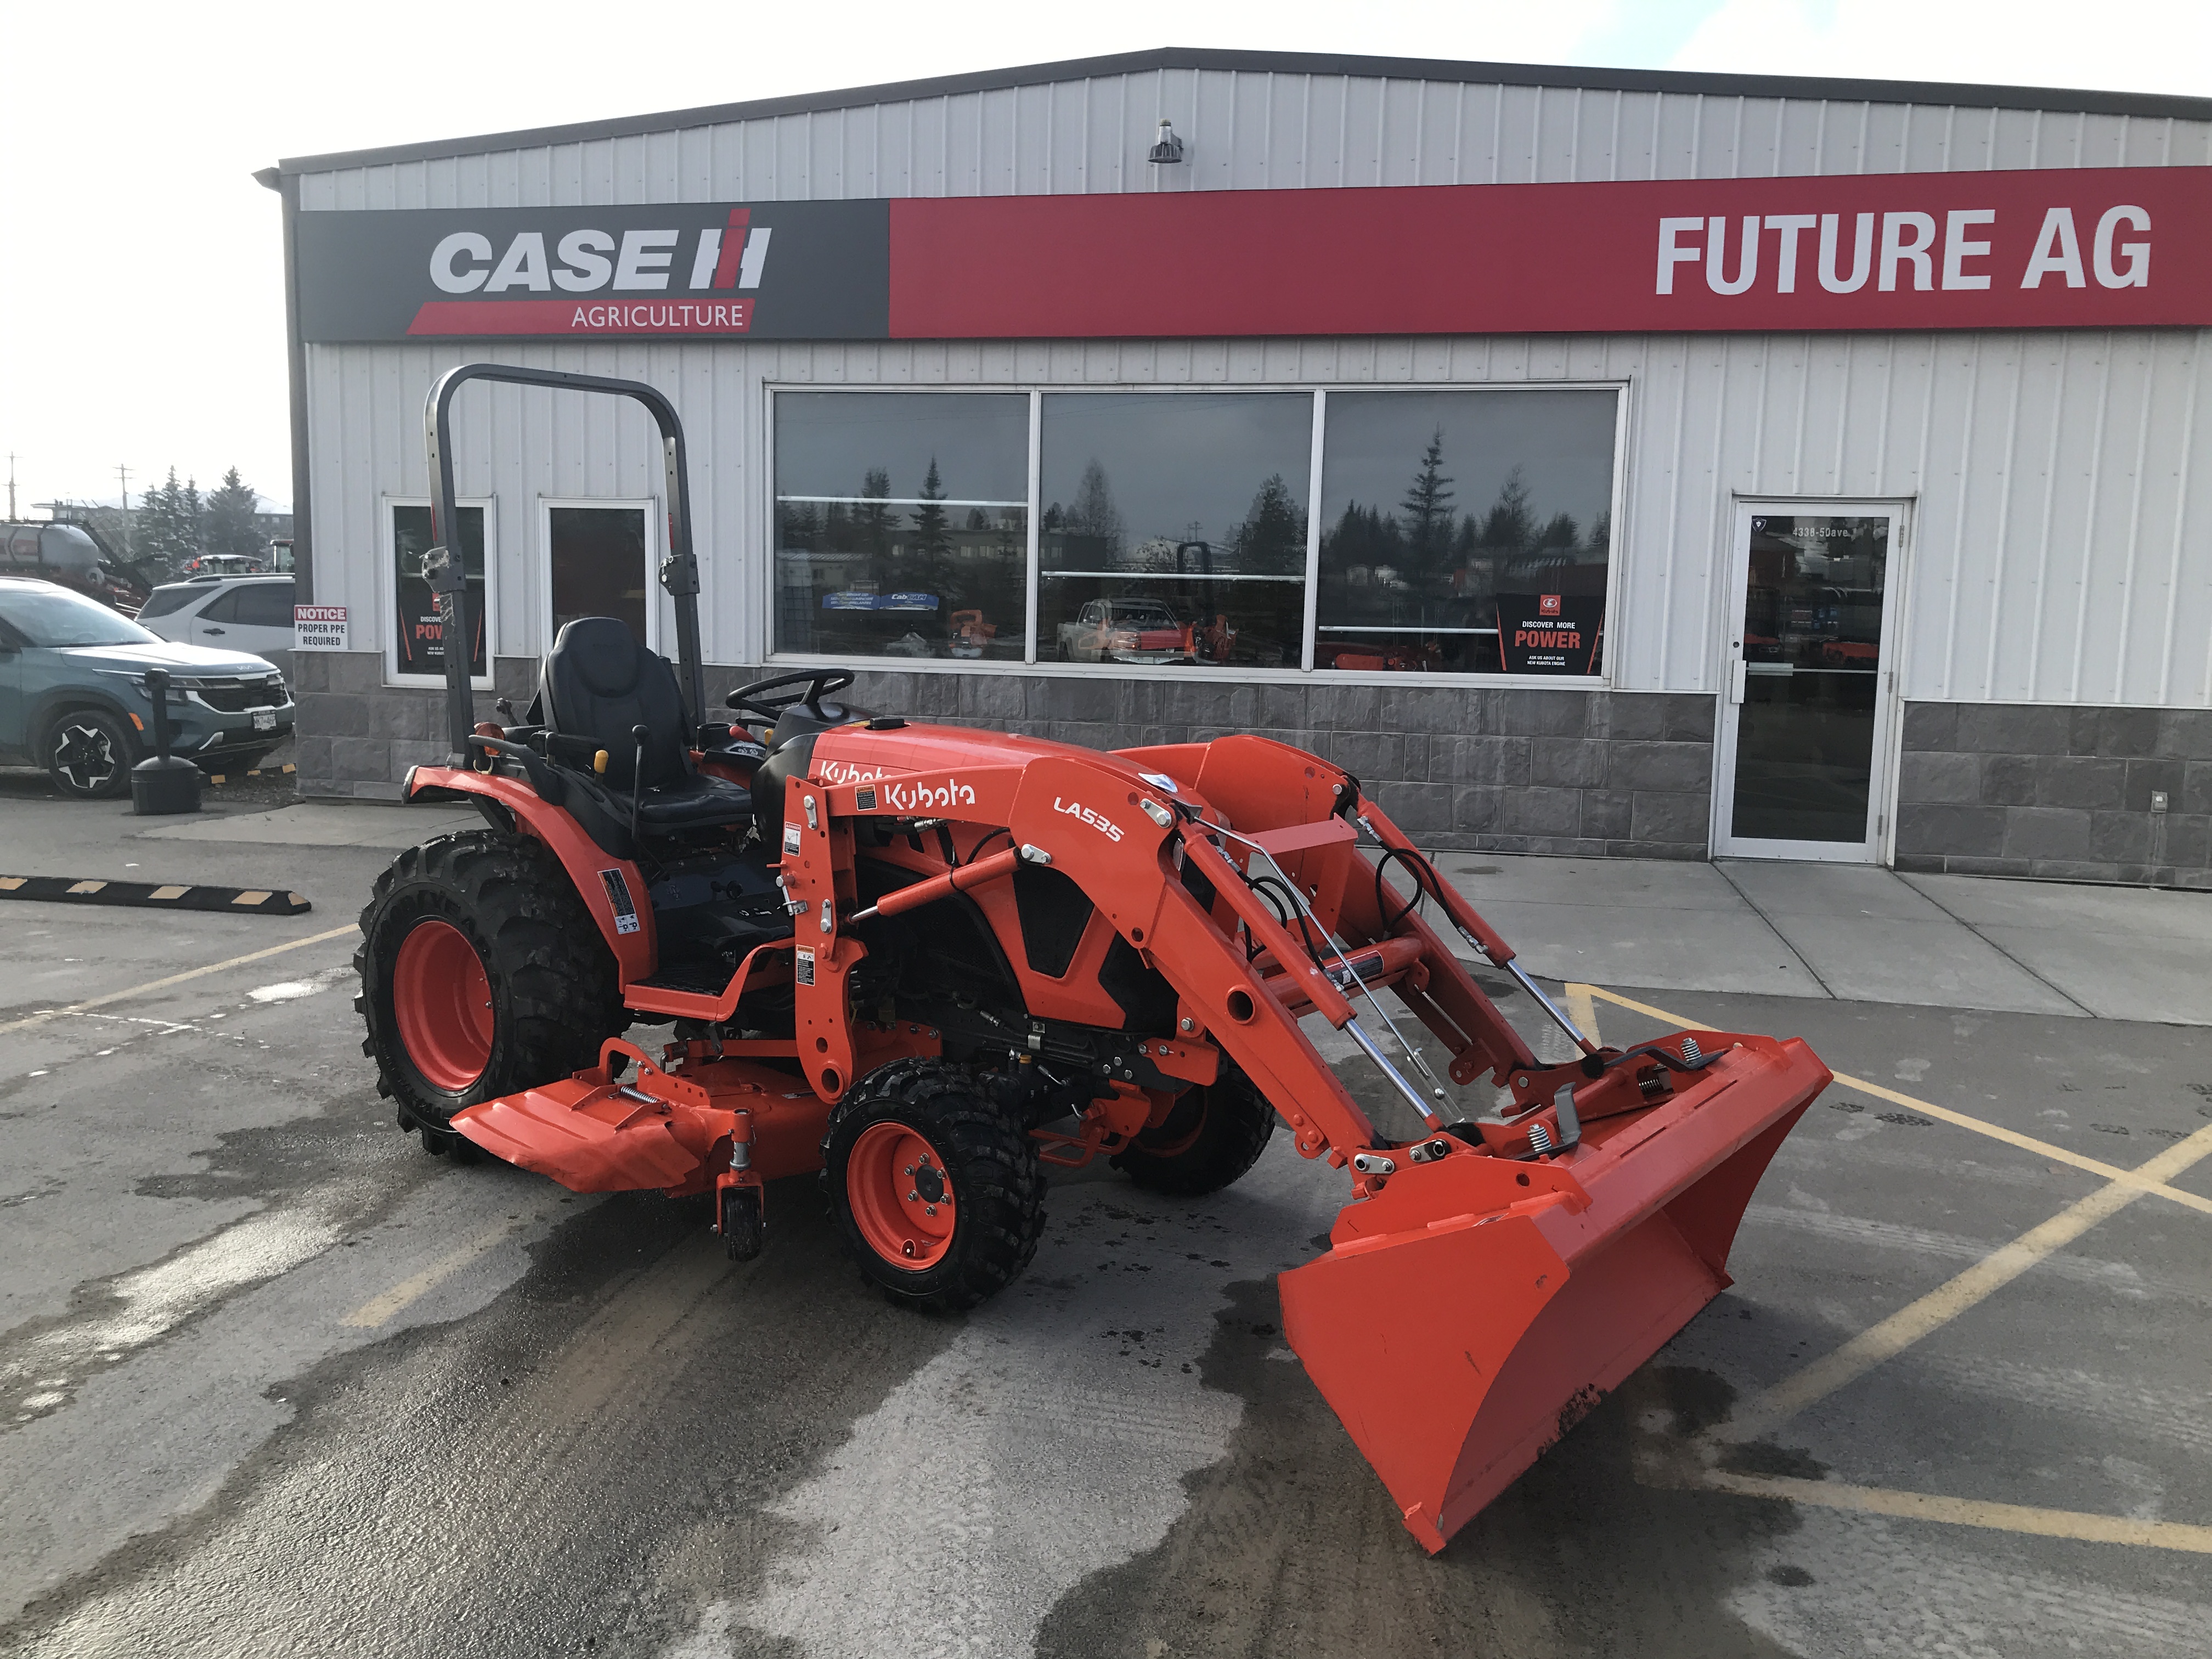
(1472, 1313)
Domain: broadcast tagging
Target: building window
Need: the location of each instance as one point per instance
(902, 524)
(1457, 531)
(415, 652)
(1174, 529)
(598, 563)
(1465, 532)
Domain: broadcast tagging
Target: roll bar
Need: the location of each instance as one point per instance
(448, 573)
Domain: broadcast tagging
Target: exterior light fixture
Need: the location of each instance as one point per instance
(1169, 149)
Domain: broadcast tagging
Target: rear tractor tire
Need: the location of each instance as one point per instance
(482, 972)
(1211, 1137)
(938, 1194)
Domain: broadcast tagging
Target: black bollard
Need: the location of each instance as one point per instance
(162, 782)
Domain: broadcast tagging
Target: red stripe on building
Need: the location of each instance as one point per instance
(1553, 259)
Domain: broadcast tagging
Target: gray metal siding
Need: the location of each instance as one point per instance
(1250, 131)
(2061, 550)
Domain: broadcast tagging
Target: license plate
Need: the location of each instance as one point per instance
(265, 719)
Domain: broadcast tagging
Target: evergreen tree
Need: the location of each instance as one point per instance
(1427, 508)
(932, 539)
(932, 534)
(1094, 514)
(229, 517)
(1272, 540)
(871, 520)
(169, 529)
(1560, 532)
(1510, 526)
(1601, 539)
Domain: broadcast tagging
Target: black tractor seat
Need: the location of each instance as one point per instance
(598, 684)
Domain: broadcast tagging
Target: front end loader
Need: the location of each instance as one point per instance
(930, 962)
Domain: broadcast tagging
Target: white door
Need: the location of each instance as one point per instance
(1801, 767)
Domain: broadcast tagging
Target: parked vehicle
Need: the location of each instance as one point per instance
(73, 696)
(60, 553)
(1127, 631)
(236, 613)
(222, 564)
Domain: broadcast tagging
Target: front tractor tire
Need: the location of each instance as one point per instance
(1209, 1138)
(482, 972)
(938, 1195)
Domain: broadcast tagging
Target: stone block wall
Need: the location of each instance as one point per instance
(1506, 769)
(2027, 789)
(358, 735)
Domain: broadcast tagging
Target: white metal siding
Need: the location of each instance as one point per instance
(1255, 130)
(2063, 546)
(2060, 553)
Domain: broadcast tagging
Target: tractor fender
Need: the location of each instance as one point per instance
(600, 879)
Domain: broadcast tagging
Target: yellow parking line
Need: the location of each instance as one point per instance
(174, 979)
(2029, 1143)
(1968, 1511)
(1959, 1120)
(1938, 1308)
(1583, 1011)
(378, 1310)
(1908, 1324)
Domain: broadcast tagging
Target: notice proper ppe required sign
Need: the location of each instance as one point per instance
(319, 627)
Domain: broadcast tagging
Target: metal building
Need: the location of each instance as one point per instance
(1594, 461)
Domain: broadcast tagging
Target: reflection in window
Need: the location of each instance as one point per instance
(598, 566)
(420, 649)
(1175, 528)
(1465, 532)
(902, 524)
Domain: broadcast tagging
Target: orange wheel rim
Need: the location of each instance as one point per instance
(441, 1002)
(1178, 1144)
(901, 1196)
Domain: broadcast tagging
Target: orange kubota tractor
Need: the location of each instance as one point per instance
(928, 962)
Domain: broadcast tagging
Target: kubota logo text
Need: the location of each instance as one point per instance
(846, 772)
(1076, 808)
(907, 797)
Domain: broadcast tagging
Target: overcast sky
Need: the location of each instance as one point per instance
(140, 307)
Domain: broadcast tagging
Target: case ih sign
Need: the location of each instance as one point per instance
(778, 269)
(2068, 248)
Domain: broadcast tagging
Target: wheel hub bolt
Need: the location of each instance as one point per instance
(929, 1209)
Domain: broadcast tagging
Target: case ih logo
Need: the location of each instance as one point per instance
(783, 270)
(625, 284)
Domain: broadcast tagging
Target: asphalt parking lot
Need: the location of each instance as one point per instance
(272, 1381)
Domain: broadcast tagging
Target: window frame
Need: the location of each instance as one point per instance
(387, 593)
(764, 585)
(656, 596)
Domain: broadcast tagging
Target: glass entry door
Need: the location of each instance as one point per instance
(1802, 767)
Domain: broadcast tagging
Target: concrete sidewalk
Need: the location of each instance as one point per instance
(1853, 932)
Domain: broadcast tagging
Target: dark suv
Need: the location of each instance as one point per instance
(73, 693)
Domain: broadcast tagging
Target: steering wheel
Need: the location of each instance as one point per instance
(818, 682)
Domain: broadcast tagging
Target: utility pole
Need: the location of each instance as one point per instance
(11, 483)
(123, 473)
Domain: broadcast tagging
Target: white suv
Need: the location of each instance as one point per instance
(232, 613)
